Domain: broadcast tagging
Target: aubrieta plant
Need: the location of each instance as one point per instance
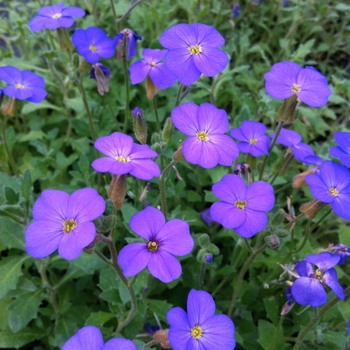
(205, 209)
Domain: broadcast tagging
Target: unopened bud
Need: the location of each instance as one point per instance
(278, 218)
(140, 126)
(242, 168)
(203, 240)
(105, 223)
(167, 133)
(311, 209)
(287, 110)
(282, 232)
(58, 66)
(159, 147)
(10, 107)
(117, 190)
(299, 180)
(151, 88)
(101, 74)
(84, 66)
(178, 155)
(162, 337)
(209, 258)
(272, 241)
(213, 249)
(286, 308)
(64, 39)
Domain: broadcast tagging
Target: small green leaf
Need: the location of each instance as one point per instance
(11, 233)
(32, 107)
(26, 185)
(98, 319)
(11, 196)
(10, 340)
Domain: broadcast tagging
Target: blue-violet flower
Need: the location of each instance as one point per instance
(343, 150)
(129, 38)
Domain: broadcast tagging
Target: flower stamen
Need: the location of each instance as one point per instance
(69, 225)
(202, 135)
(19, 86)
(122, 159)
(57, 15)
(195, 49)
(93, 48)
(152, 246)
(241, 204)
(318, 275)
(296, 88)
(196, 332)
(333, 191)
(253, 141)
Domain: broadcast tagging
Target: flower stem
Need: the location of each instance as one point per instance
(321, 219)
(154, 102)
(241, 275)
(9, 155)
(126, 14)
(315, 319)
(201, 275)
(149, 344)
(277, 132)
(162, 186)
(179, 90)
(127, 107)
(114, 15)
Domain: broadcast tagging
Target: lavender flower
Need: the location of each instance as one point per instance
(252, 138)
(308, 289)
(53, 17)
(200, 328)
(23, 85)
(242, 208)
(301, 151)
(90, 337)
(193, 50)
(343, 150)
(152, 66)
(342, 250)
(235, 9)
(125, 156)
(164, 240)
(63, 222)
(332, 185)
(205, 215)
(101, 74)
(92, 43)
(287, 78)
(207, 144)
(129, 38)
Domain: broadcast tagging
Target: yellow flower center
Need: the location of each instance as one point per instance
(57, 15)
(195, 49)
(333, 191)
(152, 64)
(69, 225)
(92, 48)
(241, 204)
(122, 159)
(296, 88)
(318, 275)
(196, 332)
(19, 86)
(202, 135)
(253, 141)
(152, 246)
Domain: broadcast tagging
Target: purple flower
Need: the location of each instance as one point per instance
(205, 215)
(129, 38)
(206, 125)
(93, 44)
(301, 151)
(308, 289)
(23, 85)
(252, 138)
(342, 250)
(235, 9)
(343, 150)
(242, 208)
(53, 17)
(63, 222)
(163, 241)
(287, 78)
(99, 67)
(200, 328)
(125, 156)
(90, 338)
(332, 185)
(152, 66)
(193, 50)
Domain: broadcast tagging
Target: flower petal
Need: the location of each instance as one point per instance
(330, 278)
(119, 343)
(185, 119)
(227, 215)
(230, 188)
(180, 330)
(87, 338)
(212, 119)
(162, 76)
(324, 261)
(164, 266)
(200, 307)
(111, 165)
(178, 36)
(210, 61)
(145, 169)
(133, 258)
(255, 222)
(309, 291)
(260, 196)
(138, 71)
(116, 144)
(225, 147)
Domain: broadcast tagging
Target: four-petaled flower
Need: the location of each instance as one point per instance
(90, 338)
(93, 43)
(242, 208)
(252, 138)
(63, 222)
(193, 50)
(53, 17)
(152, 66)
(332, 185)
(206, 125)
(163, 241)
(343, 150)
(129, 38)
(200, 328)
(308, 289)
(287, 79)
(125, 156)
(23, 85)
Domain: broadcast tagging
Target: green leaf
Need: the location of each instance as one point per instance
(11, 196)
(159, 307)
(32, 135)
(267, 335)
(89, 263)
(98, 319)
(11, 270)
(11, 233)
(10, 340)
(32, 107)
(124, 293)
(24, 309)
(344, 235)
(26, 185)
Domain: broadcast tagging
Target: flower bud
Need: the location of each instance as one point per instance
(282, 232)
(242, 168)
(162, 337)
(64, 39)
(101, 74)
(278, 218)
(287, 110)
(117, 190)
(84, 66)
(140, 126)
(105, 223)
(59, 67)
(272, 241)
(213, 249)
(200, 255)
(167, 133)
(151, 88)
(178, 155)
(10, 107)
(159, 147)
(203, 240)
(299, 180)
(311, 209)
(208, 258)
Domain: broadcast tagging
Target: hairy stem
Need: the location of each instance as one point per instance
(162, 187)
(7, 150)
